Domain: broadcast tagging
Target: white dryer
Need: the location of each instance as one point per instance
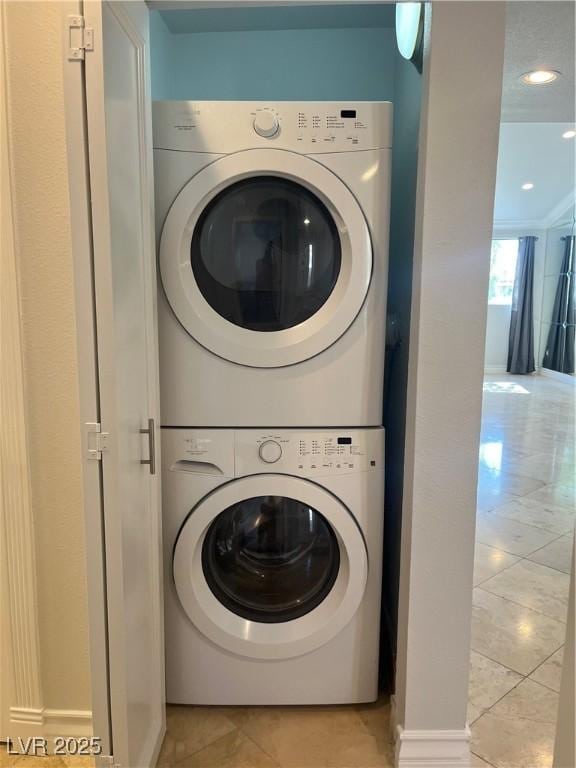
(272, 221)
(273, 564)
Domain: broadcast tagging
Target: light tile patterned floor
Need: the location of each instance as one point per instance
(26, 761)
(278, 737)
(526, 512)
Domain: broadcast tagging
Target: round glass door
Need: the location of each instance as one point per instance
(270, 566)
(266, 253)
(265, 258)
(270, 558)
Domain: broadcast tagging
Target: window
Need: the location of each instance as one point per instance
(502, 271)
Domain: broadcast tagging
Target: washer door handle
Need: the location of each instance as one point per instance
(151, 461)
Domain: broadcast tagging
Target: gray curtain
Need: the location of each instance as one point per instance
(559, 354)
(521, 340)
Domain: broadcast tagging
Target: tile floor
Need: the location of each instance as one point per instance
(27, 761)
(526, 513)
(278, 737)
(261, 737)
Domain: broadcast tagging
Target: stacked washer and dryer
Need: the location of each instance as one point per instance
(272, 223)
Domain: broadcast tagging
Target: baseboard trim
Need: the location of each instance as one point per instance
(432, 749)
(27, 716)
(49, 722)
(492, 369)
(67, 722)
(393, 720)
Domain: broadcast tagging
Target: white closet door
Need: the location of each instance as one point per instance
(120, 157)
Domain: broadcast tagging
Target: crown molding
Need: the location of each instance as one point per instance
(515, 224)
(552, 217)
(559, 209)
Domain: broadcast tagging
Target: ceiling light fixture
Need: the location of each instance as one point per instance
(568, 134)
(540, 76)
(528, 185)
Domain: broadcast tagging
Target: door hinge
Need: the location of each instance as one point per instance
(96, 441)
(80, 38)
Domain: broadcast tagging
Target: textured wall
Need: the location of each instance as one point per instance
(36, 115)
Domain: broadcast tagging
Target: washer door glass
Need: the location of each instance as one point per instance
(270, 558)
(266, 253)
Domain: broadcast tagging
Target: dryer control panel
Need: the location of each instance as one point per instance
(309, 127)
(234, 453)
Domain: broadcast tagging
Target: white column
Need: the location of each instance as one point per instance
(456, 179)
(17, 527)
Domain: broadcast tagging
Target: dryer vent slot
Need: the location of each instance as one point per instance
(200, 467)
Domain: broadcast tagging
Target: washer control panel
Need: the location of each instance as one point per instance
(309, 127)
(238, 452)
(297, 452)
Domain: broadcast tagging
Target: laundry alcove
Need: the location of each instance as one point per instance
(316, 53)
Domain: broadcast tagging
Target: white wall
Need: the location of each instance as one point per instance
(497, 328)
(498, 317)
(461, 109)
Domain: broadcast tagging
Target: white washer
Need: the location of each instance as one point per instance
(273, 247)
(273, 565)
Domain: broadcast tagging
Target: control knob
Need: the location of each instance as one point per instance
(266, 124)
(270, 451)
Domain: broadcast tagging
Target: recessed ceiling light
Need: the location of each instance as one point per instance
(528, 185)
(540, 76)
(568, 134)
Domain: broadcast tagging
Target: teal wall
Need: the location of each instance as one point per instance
(276, 64)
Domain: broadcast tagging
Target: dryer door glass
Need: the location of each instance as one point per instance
(270, 558)
(266, 253)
